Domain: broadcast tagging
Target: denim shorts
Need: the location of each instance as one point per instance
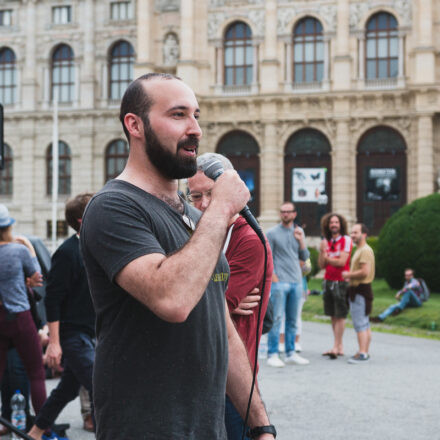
(335, 298)
(361, 321)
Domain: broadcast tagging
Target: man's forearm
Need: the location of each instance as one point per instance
(54, 332)
(239, 384)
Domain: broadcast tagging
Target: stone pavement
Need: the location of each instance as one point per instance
(395, 396)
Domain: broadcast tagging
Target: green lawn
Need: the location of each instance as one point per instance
(413, 322)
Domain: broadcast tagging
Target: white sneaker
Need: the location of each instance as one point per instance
(281, 347)
(274, 361)
(298, 347)
(295, 358)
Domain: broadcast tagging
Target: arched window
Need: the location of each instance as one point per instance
(382, 54)
(381, 176)
(243, 151)
(8, 76)
(64, 169)
(63, 73)
(121, 68)
(6, 175)
(116, 156)
(308, 51)
(307, 168)
(238, 62)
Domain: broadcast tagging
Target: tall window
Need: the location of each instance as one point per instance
(121, 10)
(6, 17)
(121, 68)
(61, 14)
(6, 172)
(63, 73)
(382, 54)
(8, 76)
(238, 51)
(116, 156)
(64, 169)
(308, 51)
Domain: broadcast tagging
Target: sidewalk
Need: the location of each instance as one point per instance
(395, 396)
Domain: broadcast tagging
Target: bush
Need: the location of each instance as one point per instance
(314, 254)
(411, 238)
(373, 242)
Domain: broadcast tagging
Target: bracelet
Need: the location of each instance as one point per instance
(258, 430)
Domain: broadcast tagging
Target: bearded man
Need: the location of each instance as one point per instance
(158, 282)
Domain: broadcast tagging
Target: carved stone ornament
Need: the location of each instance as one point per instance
(170, 50)
(358, 11)
(216, 21)
(220, 3)
(167, 5)
(285, 17)
(328, 13)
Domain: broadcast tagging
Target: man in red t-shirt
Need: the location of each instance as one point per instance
(245, 254)
(334, 257)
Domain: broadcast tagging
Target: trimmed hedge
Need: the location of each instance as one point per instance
(373, 242)
(314, 254)
(411, 238)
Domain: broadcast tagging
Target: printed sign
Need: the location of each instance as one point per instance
(382, 184)
(308, 184)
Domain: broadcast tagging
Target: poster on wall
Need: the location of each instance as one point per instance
(308, 184)
(382, 184)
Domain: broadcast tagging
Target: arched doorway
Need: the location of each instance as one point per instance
(242, 150)
(307, 181)
(381, 176)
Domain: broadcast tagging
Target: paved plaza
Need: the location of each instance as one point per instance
(395, 396)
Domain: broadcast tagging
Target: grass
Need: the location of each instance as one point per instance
(411, 322)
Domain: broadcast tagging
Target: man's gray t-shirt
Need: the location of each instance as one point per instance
(286, 253)
(152, 379)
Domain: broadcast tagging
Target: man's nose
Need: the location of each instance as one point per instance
(205, 202)
(194, 128)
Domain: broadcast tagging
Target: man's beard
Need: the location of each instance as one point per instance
(168, 164)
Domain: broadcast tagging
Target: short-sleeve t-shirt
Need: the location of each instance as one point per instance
(363, 255)
(152, 378)
(334, 249)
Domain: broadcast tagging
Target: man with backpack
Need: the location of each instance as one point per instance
(411, 295)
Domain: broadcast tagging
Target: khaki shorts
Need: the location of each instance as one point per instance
(335, 298)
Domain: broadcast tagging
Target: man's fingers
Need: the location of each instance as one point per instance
(254, 291)
(248, 305)
(242, 312)
(251, 298)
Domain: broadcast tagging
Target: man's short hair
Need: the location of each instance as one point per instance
(409, 269)
(75, 209)
(289, 202)
(211, 157)
(364, 229)
(136, 100)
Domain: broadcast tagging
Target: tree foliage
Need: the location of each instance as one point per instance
(411, 238)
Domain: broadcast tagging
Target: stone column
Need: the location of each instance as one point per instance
(401, 73)
(271, 166)
(361, 63)
(219, 66)
(326, 67)
(145, 16)
(343, 189)
(87, 89)
(288, 77)
(29, 84)
(425, 156)
(269, 65)
(424, 59)
(342, 59)
(254, 85)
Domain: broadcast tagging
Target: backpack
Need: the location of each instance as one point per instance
(424, 290)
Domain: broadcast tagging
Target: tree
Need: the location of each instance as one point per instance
(411, 238)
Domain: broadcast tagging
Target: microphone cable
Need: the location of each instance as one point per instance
(254, 375)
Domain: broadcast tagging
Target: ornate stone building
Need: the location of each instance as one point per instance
(333, 104)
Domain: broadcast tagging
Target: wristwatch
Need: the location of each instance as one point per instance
(258, 430)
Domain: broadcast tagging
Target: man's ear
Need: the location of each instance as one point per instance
(134, 125)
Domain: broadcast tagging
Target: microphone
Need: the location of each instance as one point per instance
(214, 169)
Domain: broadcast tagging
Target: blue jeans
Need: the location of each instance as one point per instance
(233, 422)
(409, 299)
(78, 355)
(285, 298)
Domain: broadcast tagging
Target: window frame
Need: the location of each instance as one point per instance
(114, 157)
(63, 63)
(12, 68)
(374, 35)
(9, 13)
(7, 173)
(238, 43)
(304, 38)
(119, 61)
(118, 6)
(64, 164)
(57, 14)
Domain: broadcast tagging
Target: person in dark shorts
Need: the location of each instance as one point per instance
(334, 257)
(158, 281)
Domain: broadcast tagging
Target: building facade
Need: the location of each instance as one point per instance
(332, 104)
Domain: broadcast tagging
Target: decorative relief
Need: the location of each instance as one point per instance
(329, 14)
(216, 21)
(358, 11)
(285, 17)
(221, 3)
(167, 5)
(170, 50)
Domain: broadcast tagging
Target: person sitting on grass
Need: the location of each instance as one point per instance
(409, 296)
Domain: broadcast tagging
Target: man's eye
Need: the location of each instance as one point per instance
(196, 197)
(197, 116)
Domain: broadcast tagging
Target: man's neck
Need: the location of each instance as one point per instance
(287, 225)
(361, 243)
